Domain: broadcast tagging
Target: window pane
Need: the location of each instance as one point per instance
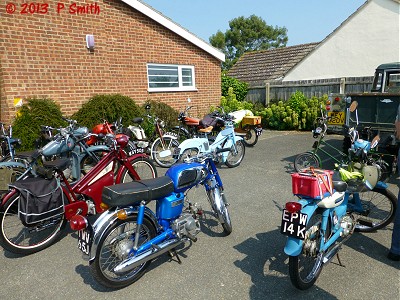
(187, 77)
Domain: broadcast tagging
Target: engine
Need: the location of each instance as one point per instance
(186, 225)
(348, 224)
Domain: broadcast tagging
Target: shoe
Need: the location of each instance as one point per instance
(394, 257)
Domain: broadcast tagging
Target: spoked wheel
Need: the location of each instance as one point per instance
(23, 239)
(220, 206)
(251, 137)
(378, 209)
(305, 268)
(188, 153)
(235, 156)
(163, 154)
(306, 160)
(144, 167)
(115, 247)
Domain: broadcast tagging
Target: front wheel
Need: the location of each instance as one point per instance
(251, 137)
(162, 153)
(143, 166)
(306, 160)
(378, 209)
(20, 238)
(115, 247)
(219, 205)
(235, 156)
(305, 268)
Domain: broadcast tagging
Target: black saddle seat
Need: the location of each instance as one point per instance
(137, 120)
(28, 154)
(340, 186)
(130, 193)
(57, 165)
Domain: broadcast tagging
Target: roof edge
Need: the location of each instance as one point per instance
(159, 18)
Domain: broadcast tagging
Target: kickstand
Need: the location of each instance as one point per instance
(340, 262)
(173, 253)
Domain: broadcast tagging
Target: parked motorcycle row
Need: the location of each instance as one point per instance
(110, 173)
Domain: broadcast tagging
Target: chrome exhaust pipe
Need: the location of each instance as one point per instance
(135, 261)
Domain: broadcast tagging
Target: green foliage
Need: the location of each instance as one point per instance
(247, 34)
(107, 107)
(297, 113)
(162, 111)
(31, 116)
(230, 103)
(240, 88)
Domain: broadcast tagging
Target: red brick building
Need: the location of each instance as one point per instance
(137, 52)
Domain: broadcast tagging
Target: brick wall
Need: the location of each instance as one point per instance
(45, 55)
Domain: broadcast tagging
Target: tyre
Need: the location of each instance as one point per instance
(219, 205)
(188, 153)
(143, 166)
(163, 159)
(114, 248)
(251, 137)
(306, 160)
(21, 239)
(379, 208)
(235, 157)
(88, 162)
(305, 268)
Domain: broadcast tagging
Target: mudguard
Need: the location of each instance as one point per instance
(108, 218)
(201, 144)
(294, 246)
(381, 185)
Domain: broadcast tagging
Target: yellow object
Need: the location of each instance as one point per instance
(251, 120)
(18, 102)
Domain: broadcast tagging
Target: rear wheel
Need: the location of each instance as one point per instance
(306, 160)
(163, 153)
(378, 209)
(251, 137)
(20, 238)
(305, 268)
(235, 156)
(115, 247)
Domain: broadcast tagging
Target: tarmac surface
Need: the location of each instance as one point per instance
(248, 264)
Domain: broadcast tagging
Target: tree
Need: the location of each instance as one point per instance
(247, 34)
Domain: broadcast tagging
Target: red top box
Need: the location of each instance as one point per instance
(312, 184)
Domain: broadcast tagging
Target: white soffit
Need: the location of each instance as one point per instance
(151, 13)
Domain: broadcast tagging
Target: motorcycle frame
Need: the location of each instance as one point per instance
(91, 185)
(294, 246)
(226, 138)
(162, 224)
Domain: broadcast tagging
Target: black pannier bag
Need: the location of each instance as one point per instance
(40, 199)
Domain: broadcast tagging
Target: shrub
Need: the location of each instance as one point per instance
(298, 113)
(240, 88)
(31, 116)
(108, 107)
(230, 102)
(162, 111)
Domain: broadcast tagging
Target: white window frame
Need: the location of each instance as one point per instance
(180, 86)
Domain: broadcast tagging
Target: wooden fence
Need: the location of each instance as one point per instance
(279, 90)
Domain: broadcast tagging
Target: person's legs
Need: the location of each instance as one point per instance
(394, 253)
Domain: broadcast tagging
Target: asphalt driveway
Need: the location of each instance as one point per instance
(248, 264)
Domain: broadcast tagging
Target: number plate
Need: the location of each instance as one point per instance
(336, 117)
(294, 225)
(258, 131)
(85, 240)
